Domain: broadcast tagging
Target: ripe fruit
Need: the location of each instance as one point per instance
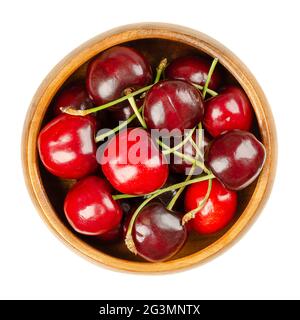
(229, 110)
(193, 69)
(218, 210)
(115, 70)
(173, 104)
(158, 233)
(67, 147)
(133, 164)
(90, 208)
(75, 96)
(236, 158)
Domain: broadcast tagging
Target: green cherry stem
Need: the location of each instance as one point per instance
(191, 214)
(211, 92)
(134, 107)
(179, 145)
(128, 239)
(185, 157)
(210, 72)
(191, 172)
(124, 124)
(71, 111)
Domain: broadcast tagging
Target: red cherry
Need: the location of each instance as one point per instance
(230, 110)
(173, 104)
(133, 164)
(180, 165)
(75, 96)
(193, 69)
(158, 233)
(217, 211)
(67, 147)
(111, 236)
(123, 114)
(90, 208)
(115, 70)
(236, 158)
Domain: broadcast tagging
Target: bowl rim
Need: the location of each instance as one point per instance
(61, 72)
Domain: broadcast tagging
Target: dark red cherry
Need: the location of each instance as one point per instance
(236, 158)
(158, 233)
(217, 211)
(123, 114)
(112, 235)
(115, 70)
(90, 208)
(133, 164)
(75, 96)
(180, 165)
(173, 104)
(67, 147)
(193, 69)
(230, 110)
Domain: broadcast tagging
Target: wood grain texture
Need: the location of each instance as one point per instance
(47, 192)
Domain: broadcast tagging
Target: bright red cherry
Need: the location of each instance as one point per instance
(193, 69)
(236, 158)
(158, 233)
(230, 110)
(75, 96)
(217, 211)
(90, 208)
(173, 104)
(115, 70)
(133, 164)
(67, 147)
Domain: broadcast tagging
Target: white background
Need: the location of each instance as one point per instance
(265, 263)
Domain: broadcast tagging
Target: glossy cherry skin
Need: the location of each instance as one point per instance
(67, 147)
(230, 110)
(115, 70)
(75, 96)
(173, 104)
(193, 69)
(236, 158)
(217, 211)
(158, 233)
(90, 208)
(183, 166)
(133, 164)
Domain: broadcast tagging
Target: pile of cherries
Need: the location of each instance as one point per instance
(121, 200)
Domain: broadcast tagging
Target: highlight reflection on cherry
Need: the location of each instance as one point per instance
(158, 233)
(236, 158)
(115, 70)
(193, 69)
(173, 104)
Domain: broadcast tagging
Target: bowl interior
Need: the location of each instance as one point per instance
(56, 189)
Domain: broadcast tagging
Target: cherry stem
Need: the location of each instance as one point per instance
(128, 239)
(159, 70)
(191, 214)
(191, 172)
(179, 145)
(71, 111)
(211, 92)
(133, 105)
(210, 72)
(124, 124)
(185, 157)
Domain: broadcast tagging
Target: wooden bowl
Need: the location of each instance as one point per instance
(155, 41)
